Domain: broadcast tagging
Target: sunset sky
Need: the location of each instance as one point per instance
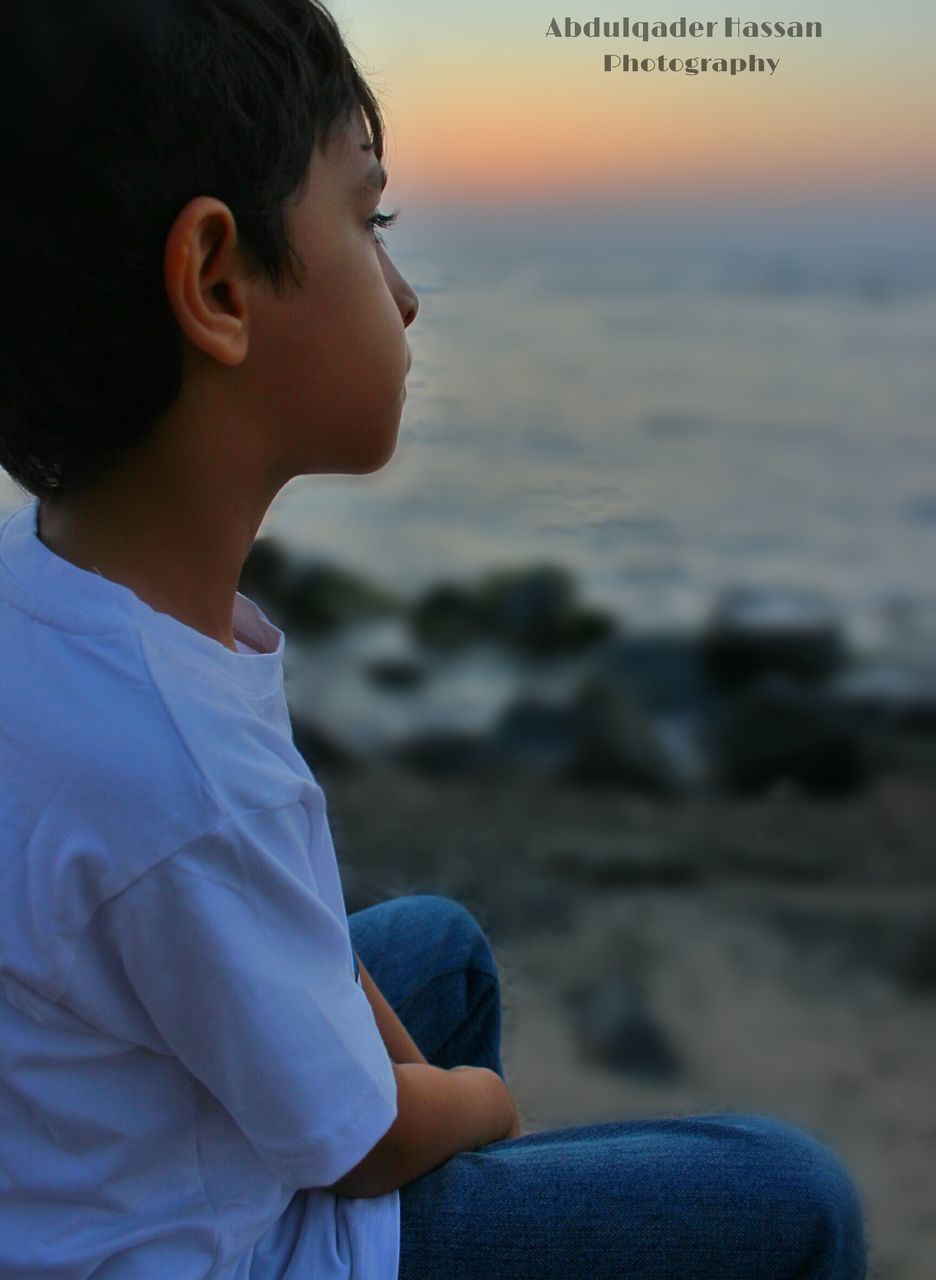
(483, 107)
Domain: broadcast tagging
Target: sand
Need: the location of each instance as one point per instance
(785, 949)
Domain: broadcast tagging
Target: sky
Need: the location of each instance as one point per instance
(483, 108)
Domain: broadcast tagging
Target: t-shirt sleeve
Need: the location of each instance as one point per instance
(246, 976)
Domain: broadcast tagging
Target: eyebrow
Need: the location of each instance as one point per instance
(377, 176)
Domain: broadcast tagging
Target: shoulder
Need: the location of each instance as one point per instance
(112, 757)
(90, 743)
(235, 736)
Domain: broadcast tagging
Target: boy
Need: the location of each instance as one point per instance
(184, 1044)
(197, 1080)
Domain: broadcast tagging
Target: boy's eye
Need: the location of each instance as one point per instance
(382, 220)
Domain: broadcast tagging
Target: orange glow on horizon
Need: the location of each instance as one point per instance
(529, 133)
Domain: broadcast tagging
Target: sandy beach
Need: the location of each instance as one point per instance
(775, 956)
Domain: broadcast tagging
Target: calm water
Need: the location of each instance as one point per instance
(668, 410)
(667, 414)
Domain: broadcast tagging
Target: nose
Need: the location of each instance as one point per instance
(402, 291)
(409, 306)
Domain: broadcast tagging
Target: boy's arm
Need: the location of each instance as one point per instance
(401, 1047)
(440, 1112)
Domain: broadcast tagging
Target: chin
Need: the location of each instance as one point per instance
(379, 453)
(377, 464)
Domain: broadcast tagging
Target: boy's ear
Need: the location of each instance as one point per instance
(205, 280)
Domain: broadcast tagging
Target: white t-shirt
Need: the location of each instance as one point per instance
(186, 1058)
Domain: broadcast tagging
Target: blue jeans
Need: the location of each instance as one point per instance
(710, 1197)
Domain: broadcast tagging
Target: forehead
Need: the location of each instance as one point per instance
(356, 147)
(347, 162)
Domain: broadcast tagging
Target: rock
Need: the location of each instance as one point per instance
(446, 617)
(661, 671)
(534, 736)
(754, 633)
(320, 749)
(919, 962)
(442, 753)
(395, 672)
(779, 732)
(892, 705)
(518, 603)
(319, 597)
(534, 611)
(584, 629)
(615, 1029)
(615, 742)
(531, 610)
(892, 694)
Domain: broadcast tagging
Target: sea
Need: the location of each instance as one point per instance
(670, 403)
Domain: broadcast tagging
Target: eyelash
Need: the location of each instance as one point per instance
(383, 220)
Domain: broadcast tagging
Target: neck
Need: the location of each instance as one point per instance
(180, 555)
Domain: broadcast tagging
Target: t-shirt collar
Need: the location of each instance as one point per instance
(74, 599)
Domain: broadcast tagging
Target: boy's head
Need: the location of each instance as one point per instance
(174, 249)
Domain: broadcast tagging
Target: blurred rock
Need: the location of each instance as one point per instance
(535, 736)
(615, 1029)
(615, 742)
(530, 610)
(446, 617)
(442, 753)
(661, 671)
(395, 672)
(891, 693)
(919, 966)
(534, 610)
(318, 597)
(753, 633)
(780, 731)
(893, 705)
(320, 749)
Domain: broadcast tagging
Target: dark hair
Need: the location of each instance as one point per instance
(113, 115)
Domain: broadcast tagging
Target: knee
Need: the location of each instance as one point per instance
(455, 927)
(811, 1198)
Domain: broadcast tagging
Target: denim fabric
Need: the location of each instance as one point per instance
(708, 1197)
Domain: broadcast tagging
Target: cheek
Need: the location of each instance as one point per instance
(336, 350)
(366, 341)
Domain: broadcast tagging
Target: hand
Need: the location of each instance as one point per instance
(509, 1126)
(514, 1130)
